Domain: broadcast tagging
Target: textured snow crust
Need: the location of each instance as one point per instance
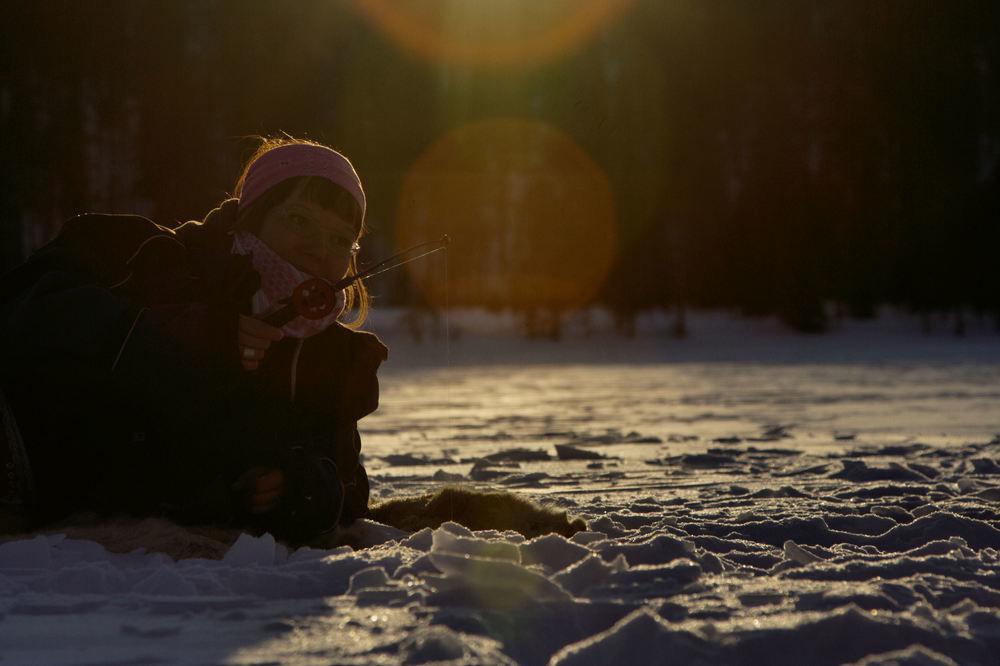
(835, 511)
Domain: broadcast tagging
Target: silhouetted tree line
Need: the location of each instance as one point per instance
(774, 157)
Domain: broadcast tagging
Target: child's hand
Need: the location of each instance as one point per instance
(254, 338)
(265, 487)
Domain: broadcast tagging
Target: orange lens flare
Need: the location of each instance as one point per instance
(530, 214)
(472, 32)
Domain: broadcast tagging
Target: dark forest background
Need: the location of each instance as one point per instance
(797, 158)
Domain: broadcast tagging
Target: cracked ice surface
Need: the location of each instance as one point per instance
(820, 508)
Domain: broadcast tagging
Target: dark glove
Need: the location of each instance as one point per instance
(313, 498)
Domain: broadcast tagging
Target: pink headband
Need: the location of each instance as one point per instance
(300, 159)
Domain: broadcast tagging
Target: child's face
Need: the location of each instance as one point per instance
(314, 240)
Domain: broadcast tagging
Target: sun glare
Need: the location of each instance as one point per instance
(491, 32)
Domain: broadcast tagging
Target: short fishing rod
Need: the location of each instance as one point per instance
(315, 298)
(388, 265)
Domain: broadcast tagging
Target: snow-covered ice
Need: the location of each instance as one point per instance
(791, 500)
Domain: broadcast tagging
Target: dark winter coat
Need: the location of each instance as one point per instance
(121, 367)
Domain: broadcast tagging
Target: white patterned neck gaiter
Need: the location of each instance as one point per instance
(278, 279)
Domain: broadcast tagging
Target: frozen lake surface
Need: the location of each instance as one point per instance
(751, 497)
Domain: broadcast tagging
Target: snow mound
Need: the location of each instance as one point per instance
(636, 639)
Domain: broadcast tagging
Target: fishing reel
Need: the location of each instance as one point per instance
(314, 299)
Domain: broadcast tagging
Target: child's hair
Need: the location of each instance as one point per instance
(314, 189)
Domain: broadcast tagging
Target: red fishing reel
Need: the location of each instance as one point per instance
(314, 299)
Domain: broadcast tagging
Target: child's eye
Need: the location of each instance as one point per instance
(298, 220)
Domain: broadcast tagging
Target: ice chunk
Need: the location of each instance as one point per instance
(368, 578)
(859, 470)
(638, 638)
(422, 540)
(307, 554)
(662, 548)
(940, 525)
(530, 479)
(445, 541)
(589, 572)
(447, 477)
(896, 513)
(984, 624)
(865, 524)
(985, 466)
(658, 578)
(783, 491)
(967, 485)
(796, 553)
(410, 459)
(814, 638)
(417, 568)
(585, 538)
(989, 494)
(455, 528)
(710, 563)
(491, 583)
(607, 526)
(915, 655)
(940, 547)
(366, 533)
(26, 554)
(518, 455)
(552, 551)
(251, 550)
(567, 452)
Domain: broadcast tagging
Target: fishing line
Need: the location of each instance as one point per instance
(315, 297)
(451, 417)
(447, 317)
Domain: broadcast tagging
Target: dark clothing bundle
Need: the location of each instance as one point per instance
(121, 369)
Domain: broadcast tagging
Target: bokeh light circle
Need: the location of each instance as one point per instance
(530, 214)
(478, 32)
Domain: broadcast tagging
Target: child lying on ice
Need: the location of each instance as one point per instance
(138, 374)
